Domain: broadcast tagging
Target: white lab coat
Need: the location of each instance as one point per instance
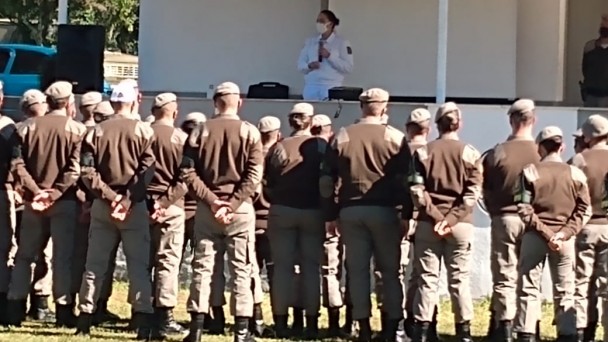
(333, 69)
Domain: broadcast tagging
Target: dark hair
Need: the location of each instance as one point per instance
(331, 16)
(552, 145)
(189, 126)
(416, 128)
(300, 121)
(57, 104)
(448, 123)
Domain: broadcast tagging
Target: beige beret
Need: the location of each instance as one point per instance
(419, 115)
(163, 99)
(91, 98)
(32, 97)
(445, 109)
(303, 108)
(374, 95)
(595, 126)
(227, 88)
(197, 117)
(321, 120)
(522, 106)
(548, 133)
(269, 124)
(103, 108)
(578, 133)
(59, 90)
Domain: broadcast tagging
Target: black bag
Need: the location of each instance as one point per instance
(345, 93)
(268, 90)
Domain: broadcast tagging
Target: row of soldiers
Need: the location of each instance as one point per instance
(369, 190)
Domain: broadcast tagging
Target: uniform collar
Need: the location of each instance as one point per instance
(329, 39)
(57, 112)
(418, 140)
(371, 120)
(226, 116)
(164, 122)
(520, 138)
(600, 146)
(553, 157)
(449, 136)
(301, 133)
(89, 123)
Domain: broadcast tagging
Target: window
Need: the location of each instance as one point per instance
(4, 57)
(29, 63)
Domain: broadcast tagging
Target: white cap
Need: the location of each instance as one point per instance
(197, 117)
(320, 120)
(123, 93)
(129, 83)
(269, 124)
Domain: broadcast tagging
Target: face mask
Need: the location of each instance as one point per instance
(604, 32)
(321, 28)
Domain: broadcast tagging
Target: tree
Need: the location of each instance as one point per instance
(33, 18)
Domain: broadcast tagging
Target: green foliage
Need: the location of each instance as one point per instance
(36, 20)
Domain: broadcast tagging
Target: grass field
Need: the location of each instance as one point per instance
(46, 333)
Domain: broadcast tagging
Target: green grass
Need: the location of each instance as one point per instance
(32, 332)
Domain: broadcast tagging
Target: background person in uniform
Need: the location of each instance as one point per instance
(595, 68)
(131, 83)
(117, 167)
(579, 141)
(166, 205)
(553, 203)
(88, 101)
(502, 169)
(51, 206)
(223, 166)
(295, 222)
(445, 230)
(325, 59)
(376, 156)
(591, 241)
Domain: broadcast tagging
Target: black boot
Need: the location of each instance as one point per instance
(65, 316)
(389, 330)
(504, 332)
(589, 333)
(463, 332)
(256, 323)
(402, 336)
(492, 326)
(349, 328)
(566, 338)
(433, 336)
(365, 330)
(526, 337)
(333, 317)
(241, 330)
(408, 325)
(580, 335)
(39, 309)
(537, 336)
(421, 332)
(15, 312)
(312, 328)
(280, 327)
(297, 326)
(144, 326)
(103, 315)
(159, 330)
(196, 328)
(83, 327)
(217, 326)
(207, 321)
(172, 326)
(3, 309)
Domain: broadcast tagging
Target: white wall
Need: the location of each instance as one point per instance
(395, 45)
(187, 45)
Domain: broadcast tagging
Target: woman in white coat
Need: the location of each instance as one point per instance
(325, 59)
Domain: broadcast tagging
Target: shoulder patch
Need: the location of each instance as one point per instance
(579, 161)
(393, 135)
(422, 153)
(342, 136)
(531, 173)
(178, 137)
(349, 50)
(470, 154)
(578, 175)
(249, 131)
(75, 127)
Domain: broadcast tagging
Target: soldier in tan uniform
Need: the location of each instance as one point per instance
(51, 206)
(88, 102)
(295, 222)
(579, 141)
(445, 230)
(366, 165)
(591, 240)
(166, 205)
(117, 166)
(553, 204)
(502, 168)
(223, 166)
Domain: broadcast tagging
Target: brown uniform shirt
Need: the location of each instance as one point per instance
(223, 159)
(292, 167)
(50, 155)
(452, 180)
(365, 164)
(8, 141)
(594, 163)
(118, 159)
(502, 167)
(166, 187)
(261, 203)
(560, 196)
(414, 145)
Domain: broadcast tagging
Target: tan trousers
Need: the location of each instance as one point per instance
(105, 235)
(410, 284)
(591, 249)
(59, 224)
(534, 252)
(256, 279)
(211, 237)
(168, 241)
(404, 261)
(294, 232)
(7, 238)
(371, 231)
(506, 233)
(331, 270)
(455, 250)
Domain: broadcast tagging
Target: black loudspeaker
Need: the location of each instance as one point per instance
(268, 90)
(345, 93)
(80, 50)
